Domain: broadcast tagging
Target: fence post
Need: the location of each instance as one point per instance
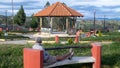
(88, 34)
(0, 29)
(76, 39)
(56, 39)
(96, 53)
(32, 58)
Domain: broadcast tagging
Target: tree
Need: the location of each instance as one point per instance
(45, 22)
(45, 19)
(47, 4)
(20, 17)
(34, 23)
(59, 23)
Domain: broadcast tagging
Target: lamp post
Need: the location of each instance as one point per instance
(12, 15)
(5, 34)
(104, 23)
(94, 21)
(6, 21)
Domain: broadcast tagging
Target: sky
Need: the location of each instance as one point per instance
(109, 8)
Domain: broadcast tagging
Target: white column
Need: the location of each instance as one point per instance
(40, 23)
(67, 25)
(75, 23)
(51, 22)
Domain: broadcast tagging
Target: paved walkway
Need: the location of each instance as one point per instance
(43, 35)
(14, 42)
(47, 35)
(32, 42)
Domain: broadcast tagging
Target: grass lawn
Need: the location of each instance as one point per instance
(11, 56)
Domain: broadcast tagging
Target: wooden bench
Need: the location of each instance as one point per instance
(74, 60)
(33, 58)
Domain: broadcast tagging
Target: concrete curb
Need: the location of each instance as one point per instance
(64, 42)
(42, 42)
(2, 40)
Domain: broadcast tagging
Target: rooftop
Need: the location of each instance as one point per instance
(58, 10)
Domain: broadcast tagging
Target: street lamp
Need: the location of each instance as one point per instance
(104, 23)
(94, 21)
(6, 34)
(13, 14)
(6, 21)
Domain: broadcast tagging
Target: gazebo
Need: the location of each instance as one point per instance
(57, 10)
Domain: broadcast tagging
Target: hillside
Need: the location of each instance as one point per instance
(86, 24)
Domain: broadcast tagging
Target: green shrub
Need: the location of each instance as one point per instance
(70, 41)
(99, 33)
(1, 33)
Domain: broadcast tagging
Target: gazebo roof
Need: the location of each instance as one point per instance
(58, 10)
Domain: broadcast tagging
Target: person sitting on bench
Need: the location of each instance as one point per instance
(49, 59)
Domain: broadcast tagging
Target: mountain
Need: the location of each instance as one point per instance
(102, 18)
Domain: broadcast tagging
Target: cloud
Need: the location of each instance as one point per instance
(30, 6)
(117, 10)
(30, 12)
(111, 8)
(96, 2)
